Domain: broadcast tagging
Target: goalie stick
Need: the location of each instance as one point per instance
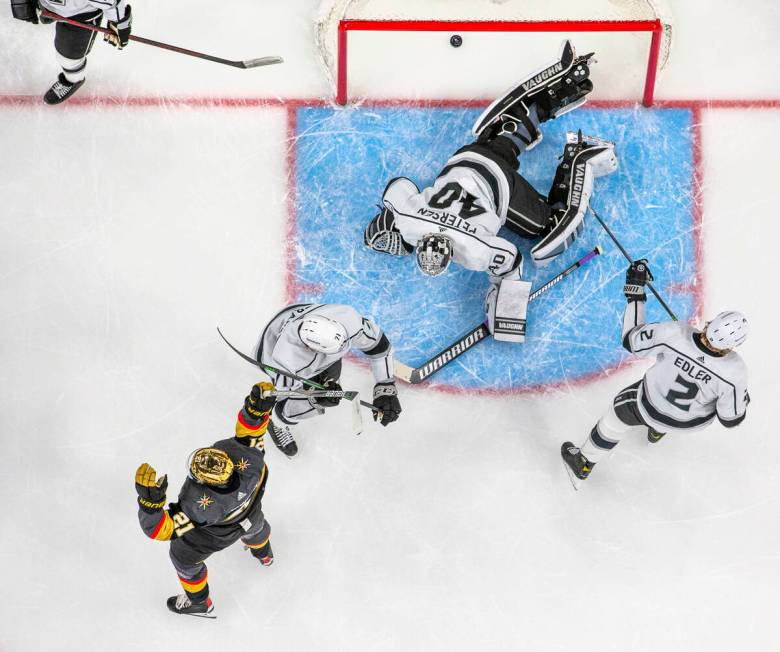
(476, 335)
(248, 63)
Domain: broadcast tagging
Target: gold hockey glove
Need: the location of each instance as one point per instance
(150, 489)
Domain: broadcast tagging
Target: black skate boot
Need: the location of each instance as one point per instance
(584, 158)
(576, 463)
(264, 554)
(653, 435)
(283, 438)
(61, 90)
(181, 604)
(554, 90)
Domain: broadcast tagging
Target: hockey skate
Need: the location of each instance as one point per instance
(181, 604)
(584, 158)
(576, 464)
(283, 438)
(61, 90)
(654, 436)
(552, 90)
(264, 554)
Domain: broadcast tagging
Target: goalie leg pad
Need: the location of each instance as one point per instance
(505, 307)
(554, 89)
(570, 194)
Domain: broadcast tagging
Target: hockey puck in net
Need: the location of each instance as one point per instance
(456, 40)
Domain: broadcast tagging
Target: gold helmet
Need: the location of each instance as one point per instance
(210, 466)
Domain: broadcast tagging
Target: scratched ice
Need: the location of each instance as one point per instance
(345, 158)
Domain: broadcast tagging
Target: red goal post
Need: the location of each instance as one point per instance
(340, 18)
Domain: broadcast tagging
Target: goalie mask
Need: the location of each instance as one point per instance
(323, 335)
(210, 466)
(434, 254)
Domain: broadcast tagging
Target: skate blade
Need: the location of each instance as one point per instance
(573, 138)
(575, 481)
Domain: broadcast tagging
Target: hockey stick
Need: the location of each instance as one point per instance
(249, 63)
(631, 260)
(311, 393)
(268, 369)
(476, 335)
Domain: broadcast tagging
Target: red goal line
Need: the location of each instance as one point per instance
(653, 26)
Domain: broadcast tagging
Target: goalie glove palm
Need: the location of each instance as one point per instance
(150, 489)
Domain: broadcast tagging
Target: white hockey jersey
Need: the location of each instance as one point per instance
(689, 385)
(281, 347)
(467, 207)
(113, 10)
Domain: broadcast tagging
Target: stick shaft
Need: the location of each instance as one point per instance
(156, 44)
(481, 332)
(631, 260)
(268, 369)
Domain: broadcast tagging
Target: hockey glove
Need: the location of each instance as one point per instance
(120, 36)
(637, 275)
(256, 405)
(386, 401)
(381, 235)
(150, 489)
(327, 401)
(26, 10)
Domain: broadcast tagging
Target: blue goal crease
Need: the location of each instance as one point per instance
(344, 160)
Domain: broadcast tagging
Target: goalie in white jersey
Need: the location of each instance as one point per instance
(697, 378)
(479, 191)
(309, 340)
(72, 43)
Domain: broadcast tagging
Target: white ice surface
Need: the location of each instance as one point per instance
(456, 529)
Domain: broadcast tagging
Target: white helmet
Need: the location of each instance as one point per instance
(727, 330)
(323, 335)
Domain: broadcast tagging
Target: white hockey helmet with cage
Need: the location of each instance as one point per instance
(434, 254)
(726, 330)
(323, 335)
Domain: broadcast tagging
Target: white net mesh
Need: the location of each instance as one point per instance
(331, 12)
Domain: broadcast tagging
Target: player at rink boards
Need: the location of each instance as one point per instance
(309, 340)
(72, 43)
(479, 191)
(219, 504)
(697, 377)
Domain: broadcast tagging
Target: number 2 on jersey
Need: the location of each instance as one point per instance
(676, 397)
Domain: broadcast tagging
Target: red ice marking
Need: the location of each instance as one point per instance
(293, 289)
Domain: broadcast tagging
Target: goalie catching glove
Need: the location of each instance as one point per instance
(637, 276)
(381, 235)
(150, 489)
(120, 31)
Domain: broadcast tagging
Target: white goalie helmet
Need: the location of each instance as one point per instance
(434, 254)
(323, 335)
(727, 330)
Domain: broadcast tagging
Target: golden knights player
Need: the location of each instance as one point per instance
(479, 191)
(219, 504)
(72, 43)
(697, 377)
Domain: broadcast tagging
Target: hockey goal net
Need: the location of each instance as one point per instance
(473, 49)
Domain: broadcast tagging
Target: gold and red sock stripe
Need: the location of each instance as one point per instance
(197, 584)
(246, 429)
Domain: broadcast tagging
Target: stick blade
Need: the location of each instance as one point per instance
(357, 416)
(262, 61)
